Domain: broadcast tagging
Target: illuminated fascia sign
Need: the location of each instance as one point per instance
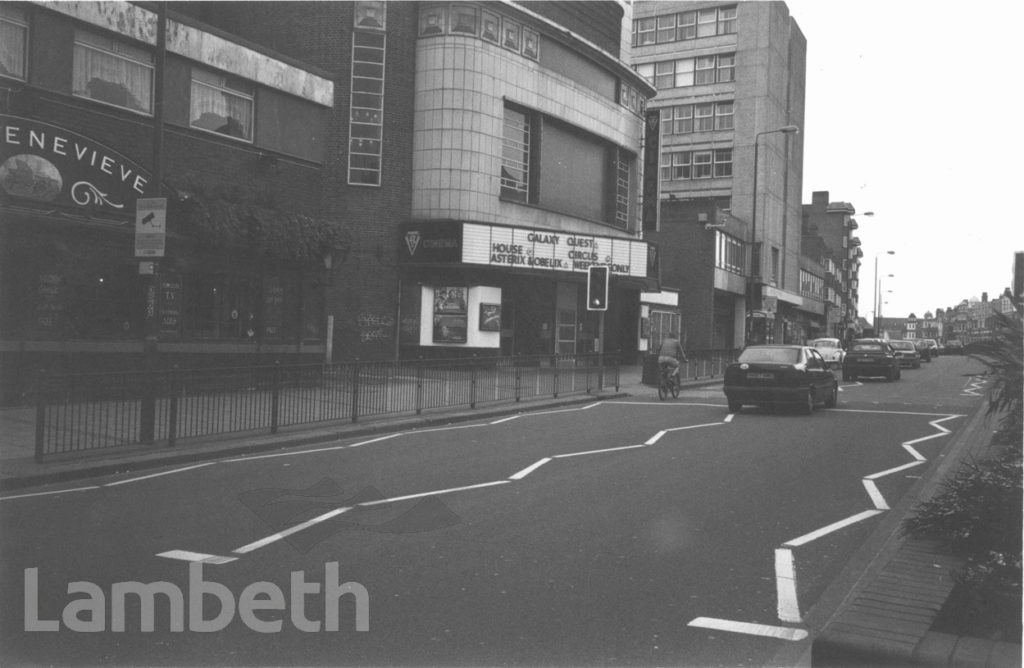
(46, 163)
(523, 248)
(526, 248)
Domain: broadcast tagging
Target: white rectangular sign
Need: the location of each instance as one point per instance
(150, 226)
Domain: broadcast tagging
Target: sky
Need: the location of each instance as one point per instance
(912, 113)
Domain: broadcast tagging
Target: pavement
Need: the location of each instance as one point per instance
(898, 584)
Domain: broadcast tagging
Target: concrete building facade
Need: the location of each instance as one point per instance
(730, 80)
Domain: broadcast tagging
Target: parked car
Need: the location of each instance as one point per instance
(954, 347)
(831, 350)
(933, 345)
(924, 350)
(908, 353)
(770, 375)
(871, 357)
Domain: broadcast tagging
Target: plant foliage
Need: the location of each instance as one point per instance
(978, 511)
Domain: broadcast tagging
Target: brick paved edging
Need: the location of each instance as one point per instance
(886, 620)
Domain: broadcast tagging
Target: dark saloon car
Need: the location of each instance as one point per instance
(773, 375)
(954, 347)
(908, 353)
(871, 357)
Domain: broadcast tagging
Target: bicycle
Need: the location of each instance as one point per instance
(667, 382)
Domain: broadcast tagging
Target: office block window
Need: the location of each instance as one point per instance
(13, 42)
(723, 115)
(703, 164)
(730, 252)
(723, 163)
(366, 110)
(113, 72)
(684, 26)
(221, 103)
(515, 155)
(686, 118)
(686, 72)
(704, 117)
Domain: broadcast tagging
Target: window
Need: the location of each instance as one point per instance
(643, 32)
(646, 71)
(464, 20)
(370, 14)
(726, 68)
(723, 115)
(702, 164)
(113, 72)
(433, 19)
(663, 323)
(677, 166)
(366, 110)
(707, 22)
(515, 156)
(221, 103)
(726, 20)
(704, 117)
(775, 266)
(729, 252)
(511, 34)
(723, 163)
(666, 28)
(687, 26)
(677, 120)
(684, 73)
(664, 74)
(622, 160)
(13, 42)
(705, 70)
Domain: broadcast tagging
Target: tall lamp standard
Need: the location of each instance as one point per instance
(753, 296)
(878, 287)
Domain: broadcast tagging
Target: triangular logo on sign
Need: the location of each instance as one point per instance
(412, 241)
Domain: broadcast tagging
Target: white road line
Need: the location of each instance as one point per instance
(785, 586)
(780, 632)
(53, 493)
(835, 526)
(945, 416)
(875, 494)
(273, 538)
(654, 439)
(508, 419)
(157, 475)
(896, 469)
(393, 499)
(185, 555)
(314, 451)
(597, 452)
(589, 406)
(729, 417)
(913, 453)
(666, 404)
(529, 469)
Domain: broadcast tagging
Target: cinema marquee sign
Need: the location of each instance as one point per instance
(523, 248)
(46, 163)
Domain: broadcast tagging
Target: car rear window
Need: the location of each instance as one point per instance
(866, 347)
(826, 344)
(902, 345)
(771, 355)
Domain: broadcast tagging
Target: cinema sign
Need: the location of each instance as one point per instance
(44, 163)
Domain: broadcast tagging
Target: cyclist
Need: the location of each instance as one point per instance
(671, 353)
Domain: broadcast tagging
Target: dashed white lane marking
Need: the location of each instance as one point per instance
(420, 495)
(654, 439)
(729, 417)
(185, 555)
(311, 452)
(157, 475)
(529, 469)
(273, 538)
(780, 632)
(597, 452)
(51, 493)
(835, 526)
(508, 419)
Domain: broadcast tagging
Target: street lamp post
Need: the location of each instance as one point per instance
(878, 288)
(753, 296)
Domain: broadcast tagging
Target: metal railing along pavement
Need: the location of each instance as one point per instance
(77, 413)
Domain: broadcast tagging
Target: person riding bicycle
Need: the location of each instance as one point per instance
(671, 354)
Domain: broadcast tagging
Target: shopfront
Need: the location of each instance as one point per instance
(473, 288)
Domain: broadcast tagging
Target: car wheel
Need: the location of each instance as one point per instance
(833, 398)
(735, 407)
(675, 390)
(808, 406)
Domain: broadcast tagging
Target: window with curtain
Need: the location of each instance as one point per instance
(13, 42)
(222, 103)
(113, 72)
